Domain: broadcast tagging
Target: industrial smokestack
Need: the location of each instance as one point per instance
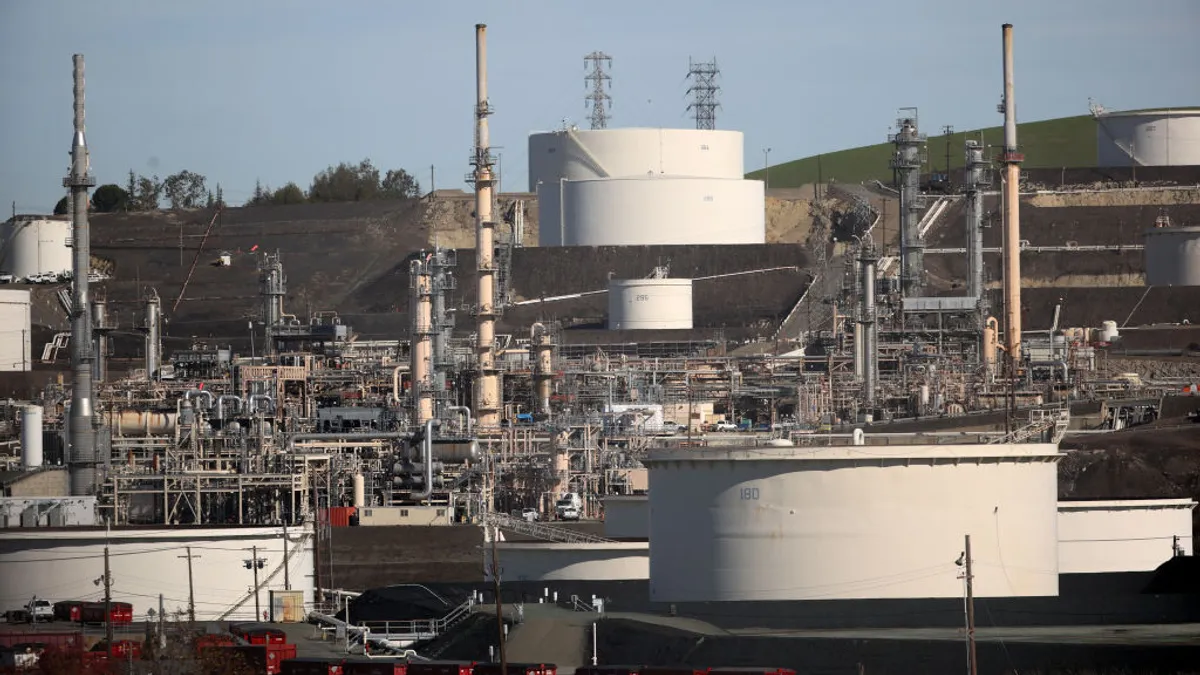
(421, 351)
(82, 453)
(1011, 159)
(487, 386)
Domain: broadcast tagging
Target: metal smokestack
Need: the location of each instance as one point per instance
(487, 386)
(82, 453)
(1011, 159)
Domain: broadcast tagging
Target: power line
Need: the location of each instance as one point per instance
(704, 90)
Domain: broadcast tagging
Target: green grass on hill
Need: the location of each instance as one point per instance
(1063, 142)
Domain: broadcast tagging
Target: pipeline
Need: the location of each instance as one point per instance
(221, 405)
(467, 413)
(251, 408)
(200, 392)
(427, 447)
(349, 436)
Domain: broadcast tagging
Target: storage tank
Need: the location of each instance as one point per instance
(15, 338)
(649, 304)
(36, 245)
(852, 522)
(1172, 256)
(1109, 331)
(635, 152)
(31, 436)
(1148, 137)
(648, 211)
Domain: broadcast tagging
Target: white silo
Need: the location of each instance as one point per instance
(31, 437)
(1169, 137)
(15, 317)
(360, 491)
(637, 187)
(852, 522)
(656, 303)
(36, 245)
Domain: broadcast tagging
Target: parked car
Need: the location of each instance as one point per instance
(40, 610)
(7, 278)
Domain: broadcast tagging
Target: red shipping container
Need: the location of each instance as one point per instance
(362, 666)
(265, 636)
(267, 659)
(63, 641)
(210, 640)
(748, 670)
(608, 670)
(517, 669)
(328, 665)
(673, 670)
(441, 668)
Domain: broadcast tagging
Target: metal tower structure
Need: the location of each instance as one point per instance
(487, 383)
(704, 92)
(978, 177)
(272, 288)
(423, 330)
(907, 161)
(82, 459)
(598, 99)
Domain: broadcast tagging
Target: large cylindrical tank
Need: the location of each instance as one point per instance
(1148, 138)
(36, 245)
(852, 522)
(649, 304)
(31, 436)
(635, 152)
(141, 422)
(15, 317)
(650, 211)
(1109, 331)
(360, 491)
(1172, 256)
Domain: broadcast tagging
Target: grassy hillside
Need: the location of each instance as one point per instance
(1064, 142)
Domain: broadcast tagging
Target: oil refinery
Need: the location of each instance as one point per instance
(623, 402)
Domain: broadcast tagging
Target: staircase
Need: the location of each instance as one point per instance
(552, 533)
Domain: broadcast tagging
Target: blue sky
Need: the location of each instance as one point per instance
(277, 90)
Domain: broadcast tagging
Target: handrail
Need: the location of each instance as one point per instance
(543, 531)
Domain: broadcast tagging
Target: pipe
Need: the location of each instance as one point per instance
(487, 384)
(396, 385)
(200, 392)
(153, 313)
(251, 408)
(221, 405)
(141, 422)
(349, 436)
(427, 447)
(82, 458)
(31, 437)
(467, 411)
(1011, 159)
(99, 340)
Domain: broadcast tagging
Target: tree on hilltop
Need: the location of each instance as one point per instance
(361, 182)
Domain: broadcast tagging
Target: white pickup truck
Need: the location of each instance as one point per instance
(569, 506)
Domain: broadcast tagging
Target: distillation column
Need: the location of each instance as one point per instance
(82, 459)
(907, 162)
(153, 343)
(443, 322)
(543, 368)
(421, 352)
(487, 386)
(273, 288)
(869, 330)
(977, 179)
(1011, 159)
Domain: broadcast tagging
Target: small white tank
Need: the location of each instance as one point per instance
(31, 436)
(360, 491)
(1109, 331)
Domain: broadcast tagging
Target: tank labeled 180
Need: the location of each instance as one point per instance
(750, 493)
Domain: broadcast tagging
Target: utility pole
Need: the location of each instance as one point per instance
(432, 185)
(108, 626)
(254, 564)
(191, 587)
(287, 581)
(970, 607)
(499, 604)
(162, 635)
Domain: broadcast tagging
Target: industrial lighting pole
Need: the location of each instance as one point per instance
(108, 624)
(767, 167)
(287, 581)
(499, 604)
(970, 578)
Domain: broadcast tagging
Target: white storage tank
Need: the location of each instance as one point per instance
(1109, 331)
(1148, 137)
(1126, 535)
(852, 522)
(1172, 256)
(648, 211)
(31, 437)
(635, 152)
(649, 304)
(36, 245)
(15, 330)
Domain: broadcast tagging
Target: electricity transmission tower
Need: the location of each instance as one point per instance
(704, 92)
(596, 79)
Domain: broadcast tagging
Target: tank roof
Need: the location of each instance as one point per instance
(1187, 111)
(858, 453)
(24, 217)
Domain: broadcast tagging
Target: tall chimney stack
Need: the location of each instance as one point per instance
(81, 459)
(1011, 159)
(487, 385)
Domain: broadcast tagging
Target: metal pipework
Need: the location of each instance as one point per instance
(153, 316)
(976, 179)
(487, 384)
(82, 458)
(870, 330)
(543, 366)
(427, 451)
(221, 405)
(99, 340)
(349, 436)
(252, 403)
(466, 413)
(907, 162)
(200, 392)
(1011, 159)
